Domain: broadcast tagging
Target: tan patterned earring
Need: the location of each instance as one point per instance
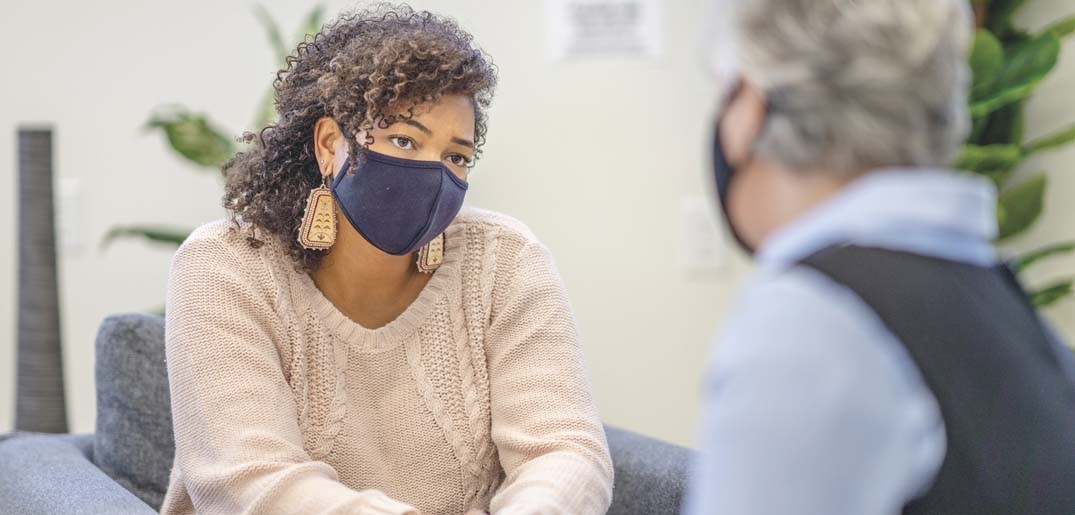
(318, 229)
(431, 255)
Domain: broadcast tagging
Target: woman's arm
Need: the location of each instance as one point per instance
(238, 443)
(545, 426)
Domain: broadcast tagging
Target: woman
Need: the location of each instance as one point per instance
(350, 340)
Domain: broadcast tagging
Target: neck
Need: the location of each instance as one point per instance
(356, 272)
(794, 193)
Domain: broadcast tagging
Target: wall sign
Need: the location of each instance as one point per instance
(602, 28)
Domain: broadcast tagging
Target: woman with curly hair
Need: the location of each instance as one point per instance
(350, 339)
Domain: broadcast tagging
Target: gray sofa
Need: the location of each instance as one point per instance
(122, 468)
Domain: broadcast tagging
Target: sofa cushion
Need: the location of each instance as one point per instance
(651, 475)
(134, 443)
(46, 474)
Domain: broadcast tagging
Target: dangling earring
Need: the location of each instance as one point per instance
(431, 255)
(318, 230)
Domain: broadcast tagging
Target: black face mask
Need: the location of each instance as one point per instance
(724, 172)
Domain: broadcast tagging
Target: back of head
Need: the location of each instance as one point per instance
(857, 84)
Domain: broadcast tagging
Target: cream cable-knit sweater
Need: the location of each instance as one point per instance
(476, 397)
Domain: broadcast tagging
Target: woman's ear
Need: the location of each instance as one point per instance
(327, 141)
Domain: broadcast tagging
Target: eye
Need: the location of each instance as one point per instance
(402, 142)
(459, 160)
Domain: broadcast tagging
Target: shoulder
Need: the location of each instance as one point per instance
(506, 252)
(505, 240)
(496, 224)
(799, 311)
(209, 245)
(816, 341)
(220, 252)
(221, 228)
(231, 240)
(804, 357)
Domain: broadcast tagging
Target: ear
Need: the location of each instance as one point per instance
(743, 121)
(327, 142)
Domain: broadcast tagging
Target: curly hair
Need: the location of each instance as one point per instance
(367, 67)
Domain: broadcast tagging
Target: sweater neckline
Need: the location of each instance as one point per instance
(364, 339)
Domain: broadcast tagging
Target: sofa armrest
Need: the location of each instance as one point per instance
(51, 474)
(650, 474)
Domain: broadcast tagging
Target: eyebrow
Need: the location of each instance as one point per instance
(418, 125)
(457, 140)
(465, 142)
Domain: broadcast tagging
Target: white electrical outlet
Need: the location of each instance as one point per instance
(703, 245)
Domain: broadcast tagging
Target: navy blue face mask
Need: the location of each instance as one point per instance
(396, 204)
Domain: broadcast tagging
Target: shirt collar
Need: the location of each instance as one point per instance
(934, 212)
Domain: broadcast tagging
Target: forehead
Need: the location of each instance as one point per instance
(450, 110)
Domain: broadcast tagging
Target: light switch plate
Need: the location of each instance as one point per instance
(69, 215)
(702, 242)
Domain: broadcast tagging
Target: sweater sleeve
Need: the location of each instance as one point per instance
(545, 426)
(238, 442)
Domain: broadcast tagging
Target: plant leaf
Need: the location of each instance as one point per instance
(977, 130)
(1024, 261)
(986, 61)
(1051, 142)
(193, 137)
(1026, 64)
(977, 158)
(1000, 16)
(993, 161)
(167, 235)
(272, 30)
(267, 107)
(266, 110)
(313, 23)
(1063, 28)
(1020, 206)
(1004, 126)
(1049, 295)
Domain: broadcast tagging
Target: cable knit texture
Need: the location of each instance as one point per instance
(475, 397)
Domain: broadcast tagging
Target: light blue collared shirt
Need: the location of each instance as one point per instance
(812, 406)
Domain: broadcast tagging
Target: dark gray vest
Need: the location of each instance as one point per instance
(1008, 409)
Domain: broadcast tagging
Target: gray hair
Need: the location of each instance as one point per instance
(858, 84)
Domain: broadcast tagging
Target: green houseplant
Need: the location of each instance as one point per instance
(195, 138)
(1008, 63)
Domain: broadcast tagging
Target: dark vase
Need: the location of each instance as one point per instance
(40, 404)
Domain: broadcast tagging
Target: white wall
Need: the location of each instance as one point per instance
(597, 156)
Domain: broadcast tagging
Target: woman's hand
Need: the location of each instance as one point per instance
(477, 512)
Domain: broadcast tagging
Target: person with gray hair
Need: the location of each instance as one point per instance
(882, 359)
